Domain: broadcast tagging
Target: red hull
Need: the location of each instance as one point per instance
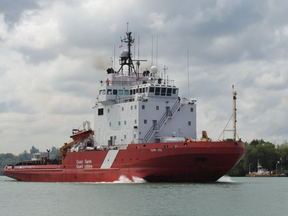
(155, 162)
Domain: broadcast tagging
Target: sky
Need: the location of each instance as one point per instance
(53, 54)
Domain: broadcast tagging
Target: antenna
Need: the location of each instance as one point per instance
(188, 72)
(114, 59)
(152, 53)
(165, 69)
(157, 51)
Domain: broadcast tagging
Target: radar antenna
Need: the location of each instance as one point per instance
(126, 58)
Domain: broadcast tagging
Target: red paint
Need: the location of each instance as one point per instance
(191, 162)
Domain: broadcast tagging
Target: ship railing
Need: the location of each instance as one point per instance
(152, 80)
(162, 121)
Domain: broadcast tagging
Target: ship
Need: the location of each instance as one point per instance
(142, 129)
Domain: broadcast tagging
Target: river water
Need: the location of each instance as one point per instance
(229, 196)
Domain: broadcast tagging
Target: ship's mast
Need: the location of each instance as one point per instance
(234, 109)
(234, 94)
(127, 59)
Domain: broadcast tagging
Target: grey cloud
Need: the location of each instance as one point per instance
(12, 9)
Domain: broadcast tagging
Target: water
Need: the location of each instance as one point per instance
(229, 196)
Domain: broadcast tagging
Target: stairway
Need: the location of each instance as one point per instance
(162, 121)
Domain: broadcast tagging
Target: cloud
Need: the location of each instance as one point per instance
(54, 54)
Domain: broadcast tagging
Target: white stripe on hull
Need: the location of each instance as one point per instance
(109, 159)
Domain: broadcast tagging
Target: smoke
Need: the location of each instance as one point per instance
(102, 61)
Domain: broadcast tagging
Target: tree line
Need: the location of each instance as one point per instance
(267, 153)
(10, 159)
(270, 156)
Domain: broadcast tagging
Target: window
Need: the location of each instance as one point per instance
(124, 136)
(108, 111)
(151, 89)
(131, 92)
(163, 91)
(143, 106)
(175, 91)
(135, 121)
(126, 92)
(114, 91)
(145, 121)
(109, 91)
(157, 91)
(135, 107)
(119, 123)
(103, 92)
(157, 107)
(134, 135)
(189, 123)
(100, 92)
(134, 91)
(100, 111)
(110, 124)
(122, 108)
(120, 92)
(131, 107)
(169, 91)
(124, 122)
(140, 90)
(191, 109)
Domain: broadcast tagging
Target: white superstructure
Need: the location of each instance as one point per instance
(135, 107)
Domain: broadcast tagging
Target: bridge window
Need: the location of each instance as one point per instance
(163, 91)
(157, 91)
(145, 121)
(109, 91)
(169, 91)
(157, 107)
(175, 91)
(126, 92)
(189, 123)
(143, 106)
(191, 109)
(120, 91)
(114, 91)
(151, 89)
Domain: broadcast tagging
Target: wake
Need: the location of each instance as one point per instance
(225, 179)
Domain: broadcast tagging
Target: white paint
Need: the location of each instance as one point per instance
(109, 159)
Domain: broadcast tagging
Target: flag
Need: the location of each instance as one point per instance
(120, 46)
